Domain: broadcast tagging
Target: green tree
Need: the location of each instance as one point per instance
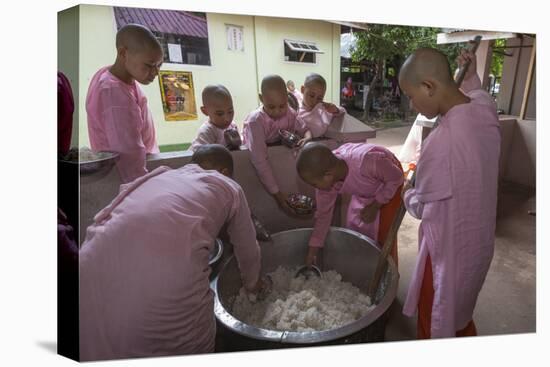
(498, 57)
(382, 42)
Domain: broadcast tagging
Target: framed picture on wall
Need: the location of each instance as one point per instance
(178, 95)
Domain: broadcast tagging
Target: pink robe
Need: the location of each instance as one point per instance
(456, 198)
(144, 274)
(119, 120)
(260, 130)
(299, 97)
(65, 109)
(318, 118)
(372, 175)
(210, 134)
(410, 151)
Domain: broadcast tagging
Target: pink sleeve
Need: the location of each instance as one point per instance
(414, 207)
(327, 117)
(243, 237)
(380, 166)
(148, 133)
(299, 125)
(434, 181)
(122, 128)
(255, 139)
(325, 201)
(341, 111)
(470, 84)
(205, 136)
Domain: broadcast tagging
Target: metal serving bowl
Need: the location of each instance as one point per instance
(301, 204)
(349, 253)
(289, 139)
(103, 160)
(232, 139)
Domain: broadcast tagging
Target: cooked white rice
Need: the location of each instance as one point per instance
(300, 304)
(86, 154)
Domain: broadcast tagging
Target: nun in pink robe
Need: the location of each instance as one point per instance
(260, 130)
(211, 134)
(456, 198)
(372, 176)
(318, 119)
(119, 120)
(299, 97)
(144, 274)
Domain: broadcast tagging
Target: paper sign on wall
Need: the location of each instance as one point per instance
(235, 41)
(174, 53)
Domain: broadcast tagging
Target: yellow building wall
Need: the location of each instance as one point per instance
(240, 72)
(96, 49)
(270, 36)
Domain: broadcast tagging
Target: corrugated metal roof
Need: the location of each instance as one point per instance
(164, 21)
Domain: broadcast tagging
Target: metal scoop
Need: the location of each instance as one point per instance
(308, 271)
(261, 233)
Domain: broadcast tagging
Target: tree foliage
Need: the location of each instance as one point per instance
(498, 57)
(381, 43)
(387, 42)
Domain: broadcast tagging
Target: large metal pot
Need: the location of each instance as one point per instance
(216, 253)
(351, 254)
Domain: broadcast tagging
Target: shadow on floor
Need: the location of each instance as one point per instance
(50, 346)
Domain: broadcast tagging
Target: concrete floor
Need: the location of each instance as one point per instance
(506, 304)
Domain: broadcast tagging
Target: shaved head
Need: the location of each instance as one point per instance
(273, 83)
(213, 156)
(214, 92)
(136, 38)
(314, 160)
(315, 79)
(426, 64)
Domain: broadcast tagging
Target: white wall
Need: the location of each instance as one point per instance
(522, 161)
(518, 161)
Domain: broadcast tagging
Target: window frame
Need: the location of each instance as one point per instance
(290, 44)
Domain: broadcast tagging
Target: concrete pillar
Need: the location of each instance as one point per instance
(484, 56)
(509, 67)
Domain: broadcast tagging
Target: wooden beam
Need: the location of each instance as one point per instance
(465, 36)
(528, 82)
(514, 81)
(357, 25)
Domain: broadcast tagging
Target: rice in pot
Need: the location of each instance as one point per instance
(300, 304)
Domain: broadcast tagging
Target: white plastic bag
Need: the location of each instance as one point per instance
(410, 151)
